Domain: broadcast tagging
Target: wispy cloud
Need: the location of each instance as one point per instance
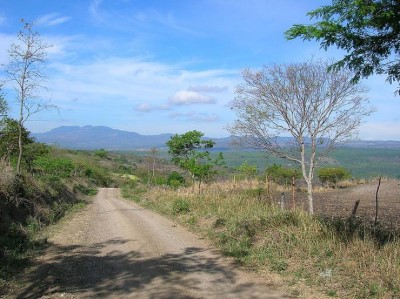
(94, 7)
(2, 20)
(144, 107)
(194, 116)
(147, 107)
(188, 97)
(52, 19)
(208, 88)
(132, 81)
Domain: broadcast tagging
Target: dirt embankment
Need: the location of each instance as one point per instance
(116, 249)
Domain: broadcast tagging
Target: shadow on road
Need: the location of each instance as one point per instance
(87, 270)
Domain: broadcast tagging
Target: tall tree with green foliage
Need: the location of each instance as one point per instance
(368, 30)
(190, 152)
(25, 71)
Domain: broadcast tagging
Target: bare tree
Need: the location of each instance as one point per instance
(316, 108)
(25, 70)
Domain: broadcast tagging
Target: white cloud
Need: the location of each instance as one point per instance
(208, 88)
(109, 89)
(194, 117)
(52, 19)
(187, 97)
(144, 107)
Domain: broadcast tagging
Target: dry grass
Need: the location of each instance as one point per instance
(302, 249)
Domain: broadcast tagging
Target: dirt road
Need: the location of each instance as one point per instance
(116, 249)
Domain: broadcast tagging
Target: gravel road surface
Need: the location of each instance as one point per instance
(116, 249)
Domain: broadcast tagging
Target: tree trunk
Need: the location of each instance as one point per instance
(310, 197)
(293, 195)
(308, 177)
(20, 146)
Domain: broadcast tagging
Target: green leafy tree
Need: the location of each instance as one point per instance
(368, 30)
(9, 138)
(34, 151)
(332, 175)
(190, 152)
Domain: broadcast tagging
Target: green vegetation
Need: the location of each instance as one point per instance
(248, 170)
(360, 162)
(282, 175)
(368, 31)
(332, 175)
(190, 152)
(175, 180)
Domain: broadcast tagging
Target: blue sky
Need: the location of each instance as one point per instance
(167, 66)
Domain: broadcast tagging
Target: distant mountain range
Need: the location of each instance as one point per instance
(101, 137)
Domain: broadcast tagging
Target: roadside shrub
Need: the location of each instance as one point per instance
(180, 206)
(61, 167)
(159, 180)
(332, 175)
(175, 180)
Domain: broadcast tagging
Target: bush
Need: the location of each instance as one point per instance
(282, 175)
(62, 167)
(332, 175)
(249, 170)
(175, 180)
(180, 206)
(101, 153)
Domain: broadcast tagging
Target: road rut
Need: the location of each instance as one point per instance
(116, 249)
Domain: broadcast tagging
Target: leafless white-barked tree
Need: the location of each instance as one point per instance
(316, 108)
(25, 71)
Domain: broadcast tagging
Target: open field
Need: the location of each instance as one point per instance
(339, 202)
(361, 162)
